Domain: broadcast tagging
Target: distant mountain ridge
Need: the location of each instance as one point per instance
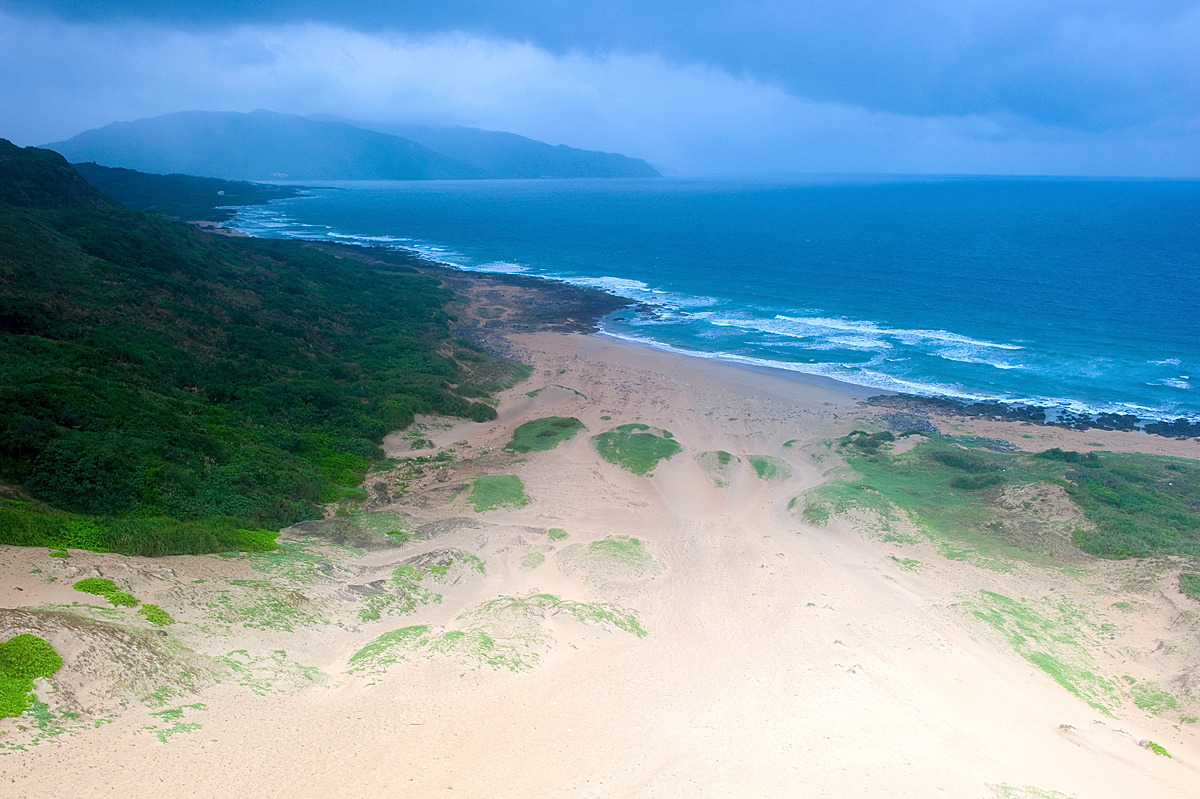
(264, 146)
(508, 155)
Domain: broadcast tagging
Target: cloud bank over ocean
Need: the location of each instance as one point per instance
(929, 87)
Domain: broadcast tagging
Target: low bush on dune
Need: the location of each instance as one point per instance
(23, 659)
(636, 447)
(103, 587)
(543, 434)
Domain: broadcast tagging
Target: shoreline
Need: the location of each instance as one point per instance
(946, 405)
(1073, 411)
(808, 378)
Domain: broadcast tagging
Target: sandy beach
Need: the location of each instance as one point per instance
(679, 634)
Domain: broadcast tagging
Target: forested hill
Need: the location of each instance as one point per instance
(183, 197)
(165, 390)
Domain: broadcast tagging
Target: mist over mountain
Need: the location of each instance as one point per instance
(264, 145)
(508, 155)
(261, 145)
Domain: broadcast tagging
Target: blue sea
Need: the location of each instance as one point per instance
(1082, 295)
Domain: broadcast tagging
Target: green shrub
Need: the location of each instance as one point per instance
(23, 659)
(816, 514)
(155, 615)
(977, 482)
(636, 447)
(497, 491)
(35, 524)
(867, 443)
(543, 434)
(104, 587)
(1189, 584)
(964, 461)
(1157, 749)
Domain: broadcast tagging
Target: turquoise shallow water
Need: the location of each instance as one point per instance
(1083, 295)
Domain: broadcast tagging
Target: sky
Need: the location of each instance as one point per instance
(1053, 87)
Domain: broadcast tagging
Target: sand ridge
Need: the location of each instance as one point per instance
(780, 658)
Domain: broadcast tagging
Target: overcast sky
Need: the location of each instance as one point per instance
(710, 86)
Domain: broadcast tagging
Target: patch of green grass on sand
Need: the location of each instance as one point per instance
(717, 464)
(1051, 634)
(23, 659)
(538, 435)
(492, 491)
(103, 587)
(637, 448)
(768, 467)
(616, 557)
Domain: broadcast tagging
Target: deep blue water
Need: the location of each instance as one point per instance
(1078, 293)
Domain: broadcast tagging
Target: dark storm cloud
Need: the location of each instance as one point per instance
(1084, 64)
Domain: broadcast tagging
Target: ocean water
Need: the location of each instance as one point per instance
(1076, 294)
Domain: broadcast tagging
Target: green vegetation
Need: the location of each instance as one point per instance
(770, 468)
(408, 588)
(542, 434)
(497, 491)
(1137, 505)
(35, 524)
(180, 196)
(865, 443)
(181, 392)
(1052, 638)
(301, 561)
(815, 514)
(103, 587)
(258, 604)
(533, 559)
(170, 721)
(1189, 584)
(1141, 505)
(1151, 697)
(379, 651)
(717, 464)
(270, 673)
(1155, 748)
(23, 659)
(155, 615)
(636, 447)
(616, 557)
(501, 633)
(556, 533)
(1005, 791)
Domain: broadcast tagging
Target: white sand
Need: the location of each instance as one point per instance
(781, 659)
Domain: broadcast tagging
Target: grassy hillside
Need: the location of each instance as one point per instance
(163, 390)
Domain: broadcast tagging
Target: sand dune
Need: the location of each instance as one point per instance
(674, 635)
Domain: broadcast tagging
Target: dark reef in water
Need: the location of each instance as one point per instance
(1037, 414)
